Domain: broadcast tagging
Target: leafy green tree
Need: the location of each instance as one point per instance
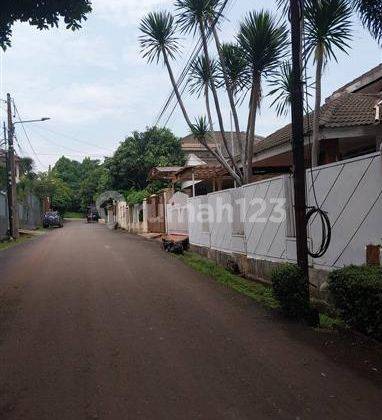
(42, 14)
(49, 185)
(69, 172)
(130, 165)
(26, 166)
(95, 180)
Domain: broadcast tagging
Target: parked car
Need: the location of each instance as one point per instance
(92, 214)
(51, 219)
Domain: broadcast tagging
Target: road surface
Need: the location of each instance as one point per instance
(100, 324)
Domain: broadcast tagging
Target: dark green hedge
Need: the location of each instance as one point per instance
(357, 295)
(290, 291)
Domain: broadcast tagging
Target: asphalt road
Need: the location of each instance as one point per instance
(98, 324)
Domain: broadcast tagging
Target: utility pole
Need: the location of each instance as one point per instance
(11, 174)
(296, 19)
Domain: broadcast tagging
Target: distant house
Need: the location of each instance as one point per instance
(350, 126)
(190, 145)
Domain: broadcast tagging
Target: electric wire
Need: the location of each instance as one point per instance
(27, 137)
(74, 138)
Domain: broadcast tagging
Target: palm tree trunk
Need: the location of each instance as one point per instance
(176, 90)
(220, 159)
(317, 110)
(208, 108)
(216, 99)
(229, 90)
(254, 103)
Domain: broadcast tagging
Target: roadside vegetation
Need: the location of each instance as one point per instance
(73, 215)
(257, 292)
(288, 301)
(11, 243)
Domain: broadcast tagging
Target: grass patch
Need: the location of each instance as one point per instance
(329, 323)
(73, 215)
(257, 292)
(9, 244)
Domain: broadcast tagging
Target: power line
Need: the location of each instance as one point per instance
(27, 137)
(195, 53)
(49, 141)
(74, 139)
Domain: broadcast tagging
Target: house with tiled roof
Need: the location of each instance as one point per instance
(350, 126)
(190, 145)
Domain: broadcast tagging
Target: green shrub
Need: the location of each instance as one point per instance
(290, 290)
(357, 295)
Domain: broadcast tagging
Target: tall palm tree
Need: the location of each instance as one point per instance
(193, 16)
(327, 28)
(264, 41)
(369, 12)
(159, 40)
(225, 69)
(232, 76)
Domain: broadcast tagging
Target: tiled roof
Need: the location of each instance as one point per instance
(163, 172)
(358, 82)
(348, 110)
(190, 142)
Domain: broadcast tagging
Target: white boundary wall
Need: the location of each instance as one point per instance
(349, 191)
(132, 218)
(177, 214)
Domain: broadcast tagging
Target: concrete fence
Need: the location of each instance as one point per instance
(3, 216)
(30, 213)
(132, 218)
(257, 220)
(177, 214)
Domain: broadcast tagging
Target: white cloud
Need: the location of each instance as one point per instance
(125, 12)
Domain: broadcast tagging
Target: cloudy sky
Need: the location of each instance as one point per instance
(96, 88)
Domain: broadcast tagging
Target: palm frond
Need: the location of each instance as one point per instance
(282, 83)
(370, 13)
(202, 73)
(191, 12)
(327, 27)
(200, 130)
(236, 68)
(158, 35)
(264, 41)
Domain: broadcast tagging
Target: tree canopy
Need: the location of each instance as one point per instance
(42, 14)
(130, 165)
(85, 180)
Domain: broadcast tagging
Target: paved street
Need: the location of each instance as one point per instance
(96, 324)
